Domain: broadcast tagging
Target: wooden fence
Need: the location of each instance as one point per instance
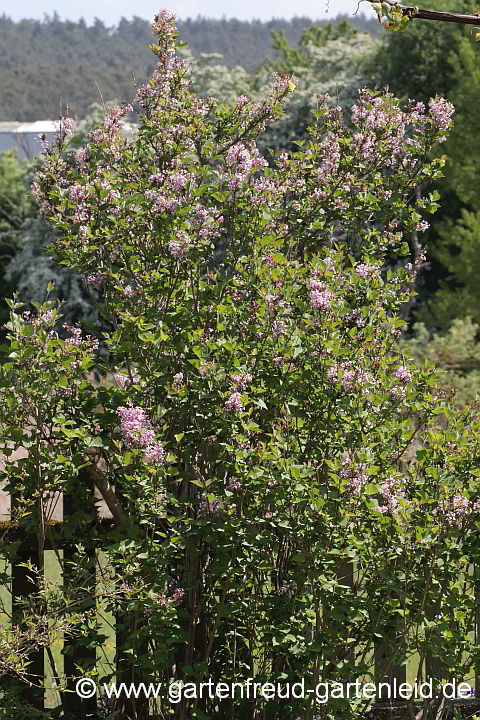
(52, 665)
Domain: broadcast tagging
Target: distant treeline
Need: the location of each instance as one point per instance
(47, 64)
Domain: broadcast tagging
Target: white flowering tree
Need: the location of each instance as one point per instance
(329, 62)
(285, 506)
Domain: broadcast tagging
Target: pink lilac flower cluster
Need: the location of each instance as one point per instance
(177, 595)
(206, 221)
(279, 328)
(422, 226)
(76, 332)
(403, 374)
(330, 163)
(273, 302)
(321, 297)
(350, 378)
(460, 508)
(355, 475)
(164, 23)
(112, 124)
(366, 270)
(178, 246)
(442, 111)
(44, 318)
(270, 261)
(356, 318)
(241, 380)
(241, 161)
(124, 381)
(66, 128)
(155, 453)
(138, 432)
(162, 202)
(392, 492)
(179, 181)
(178, 379)
(68, 125)
(398, 393)
(97, 279)
(234, 402)
(78, 192)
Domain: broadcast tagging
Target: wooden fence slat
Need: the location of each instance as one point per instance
(54, 671)
(107, 624)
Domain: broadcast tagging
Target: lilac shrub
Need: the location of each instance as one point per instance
(263, 432)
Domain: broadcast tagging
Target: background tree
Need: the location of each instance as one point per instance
(457, 248)
(48, 64)
(321, 65)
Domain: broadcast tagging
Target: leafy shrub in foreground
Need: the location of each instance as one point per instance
(285, 503)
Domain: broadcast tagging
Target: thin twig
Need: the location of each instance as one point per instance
(414, 12)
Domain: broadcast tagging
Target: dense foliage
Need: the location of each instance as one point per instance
(285, 501)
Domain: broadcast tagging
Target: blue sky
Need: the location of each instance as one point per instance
(110, 11)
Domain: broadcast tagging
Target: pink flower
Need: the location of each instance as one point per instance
(242, 379)
(350, 377)
(78, 192)
(441, 111)
(238, 158)
(138, 432)
(392, 492)
(123, 381)
(178, 595)
(155, 453)
(365, 270)
(403, 374)
(279, 328)
(321, 299)
(179, 246)
(460, 507)
(422, 226)
(178, 182)
(356, 476)
(97, 280)
(234, 402)
(44, 318)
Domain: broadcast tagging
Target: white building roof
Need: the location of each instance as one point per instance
(40, 126)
